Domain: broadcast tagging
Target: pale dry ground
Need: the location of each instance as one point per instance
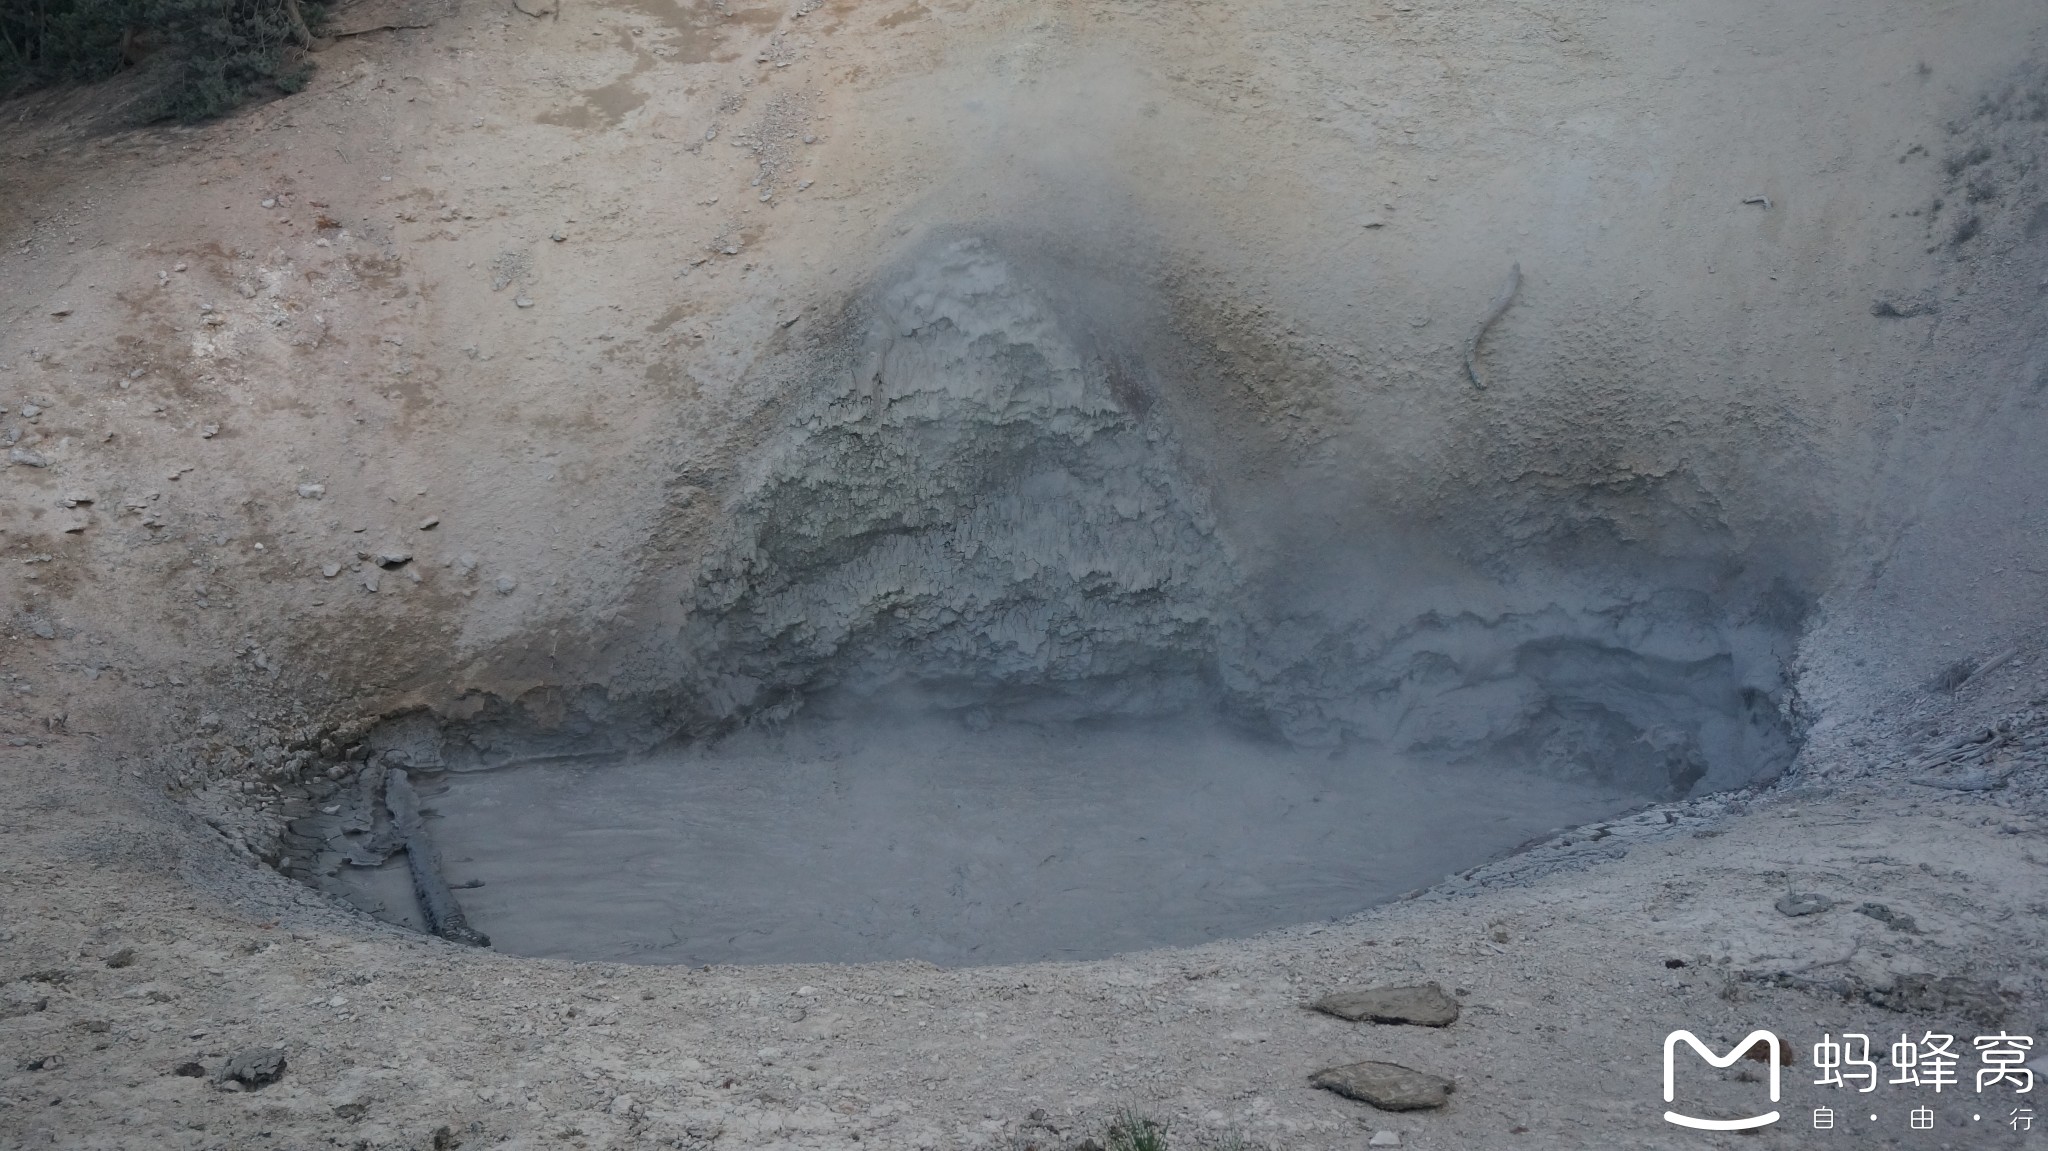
(1334, 193)
(349, 336)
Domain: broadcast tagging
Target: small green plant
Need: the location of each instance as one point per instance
(1131, 1131)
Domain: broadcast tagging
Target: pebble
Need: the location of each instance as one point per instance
(330, 570)
(1896, 920)
(1384, 1139)
(393, 559)
(506, 585)
(209, 431)
(30, 411)
(312, 491)
(270, 203)
(430, 523)
(122, 958)
(370, 582)
(523, 302)
(26, 458)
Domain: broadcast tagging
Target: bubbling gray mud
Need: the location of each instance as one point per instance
(843, 842)
(980, 528)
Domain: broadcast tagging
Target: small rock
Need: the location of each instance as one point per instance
(312, 491)
(370, 582)
(1798, 903)
(558, 236)
(209, 431)
(26, 458)
(122, 958)
(523, 302)
(354, 1110)
(42, 1063)
(79, 499)
(30, 411)
(189, 1070)
(1896, 920)
(1905, 307)
(430, 523)
(392, 559)
(622, 1105)
(506, 585)
(1387, 1086)
(330, 570)
(270, 203)
(1384, 1139)
(20, 999)
(61, 310)
(253, 1067)
(43, 629)
(1425, 1005)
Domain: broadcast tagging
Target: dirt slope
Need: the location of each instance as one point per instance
(520, 298)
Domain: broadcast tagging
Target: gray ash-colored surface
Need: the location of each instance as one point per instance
(846, 843)
(986, 506)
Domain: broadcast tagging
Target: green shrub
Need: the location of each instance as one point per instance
(1134, 1132)
(206, 56)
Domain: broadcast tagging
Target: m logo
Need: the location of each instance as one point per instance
(1773, 1051)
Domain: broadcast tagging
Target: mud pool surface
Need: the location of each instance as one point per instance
(838, 844)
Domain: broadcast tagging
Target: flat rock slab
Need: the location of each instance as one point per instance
(1387, 1086)
(1798, 903)
(1426, 1005)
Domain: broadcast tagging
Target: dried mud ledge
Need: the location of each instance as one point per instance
(987, 504)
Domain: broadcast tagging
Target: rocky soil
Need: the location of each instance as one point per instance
(421, 401)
